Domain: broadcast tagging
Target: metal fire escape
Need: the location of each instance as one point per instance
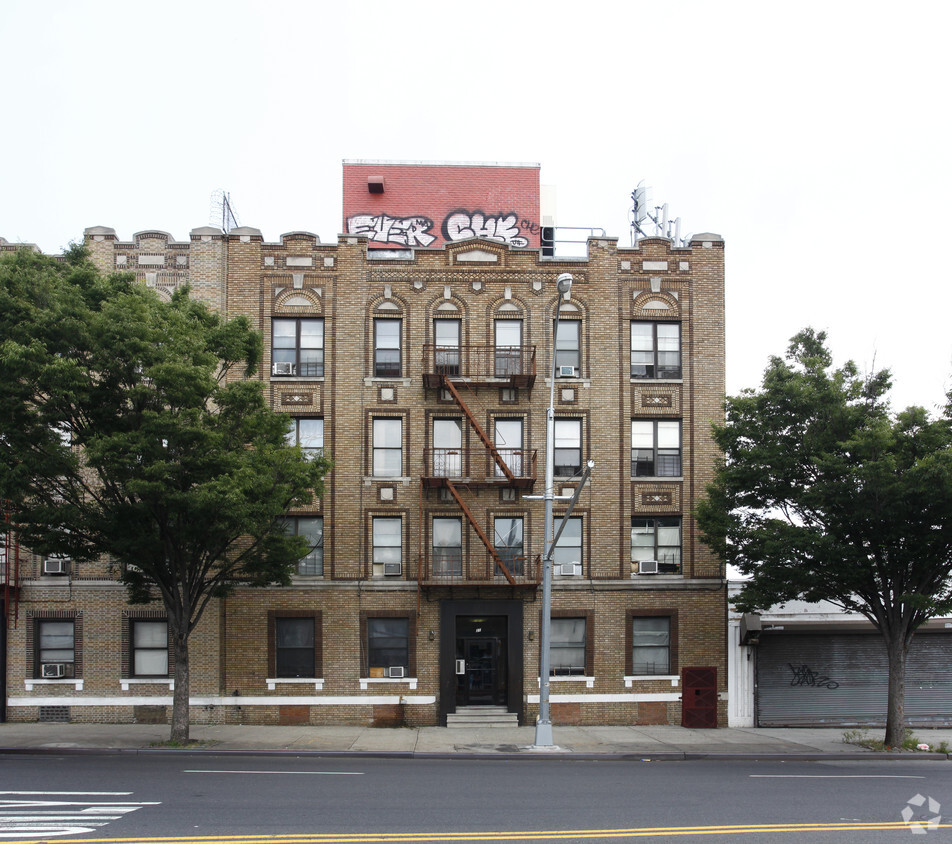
(10, 567)
(452, 369)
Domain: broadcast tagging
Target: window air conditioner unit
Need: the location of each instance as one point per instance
(56, 565)
(566, 372)
(51, 670)
(648, 567)
(396, 671)
(570, 569)
(392, 568)
(282, 368)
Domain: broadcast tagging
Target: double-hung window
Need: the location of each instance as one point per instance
(312, 529)
(387, 357)
(387, 545)
(388, 645)
(657, 538)
(307, 433)
(448, 546)
(149, 647)
(655, 448)
(447, 448)
(297, 346)
(294, 652)
(55, 649)
(567, 350)
(508, 347)
(567, 652)
(651, 645)
(568, 550)
(387, 447)
(446, 334)
(655, 350)
(508, 543)
(568, 447)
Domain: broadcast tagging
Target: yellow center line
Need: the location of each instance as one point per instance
(514, 835)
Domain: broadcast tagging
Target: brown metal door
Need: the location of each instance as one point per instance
(699, 697)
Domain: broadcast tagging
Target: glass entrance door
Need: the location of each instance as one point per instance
(481, 666)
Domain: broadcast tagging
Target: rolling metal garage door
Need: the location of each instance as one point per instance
(841, 678)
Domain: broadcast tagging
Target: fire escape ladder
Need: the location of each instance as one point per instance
(480, 533)
(487, 442)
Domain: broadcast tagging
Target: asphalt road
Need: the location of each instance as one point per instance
(309, 799)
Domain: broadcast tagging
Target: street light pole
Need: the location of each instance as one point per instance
(543, 735)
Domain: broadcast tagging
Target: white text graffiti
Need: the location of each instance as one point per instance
(406, 231)
(503, 228)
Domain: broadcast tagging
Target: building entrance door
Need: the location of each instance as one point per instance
(481, 669)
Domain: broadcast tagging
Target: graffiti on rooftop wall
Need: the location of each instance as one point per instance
(460, 224)
(503, 228)
(403, 231)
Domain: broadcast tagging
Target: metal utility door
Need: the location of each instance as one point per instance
(699, 697)
(481, 671)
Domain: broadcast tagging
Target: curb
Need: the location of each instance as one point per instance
(527, 756)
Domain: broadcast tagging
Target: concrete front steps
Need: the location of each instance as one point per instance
(469, 717)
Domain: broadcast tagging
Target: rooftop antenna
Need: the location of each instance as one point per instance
(641, 217)
(222, 212)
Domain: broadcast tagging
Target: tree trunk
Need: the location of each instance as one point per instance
(180, 711)
(896, 651)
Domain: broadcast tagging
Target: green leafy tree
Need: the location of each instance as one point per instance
(824, 494)
(130, 432)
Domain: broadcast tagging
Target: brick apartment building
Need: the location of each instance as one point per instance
(423, 367)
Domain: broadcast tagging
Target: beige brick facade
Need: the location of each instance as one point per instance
(443, 599)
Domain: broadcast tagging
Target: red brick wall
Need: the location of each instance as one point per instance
(457, 201)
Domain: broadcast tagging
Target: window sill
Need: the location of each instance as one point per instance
(293, 378)
(656, 478)
(274, 682)
(573, 678)
(657, 380)
(400, 380)
(125, 682)
(411, 682)
(29, 684)
(673, 678)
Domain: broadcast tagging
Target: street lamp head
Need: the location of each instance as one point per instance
(564, 283)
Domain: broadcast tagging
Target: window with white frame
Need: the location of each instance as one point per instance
(148, 647)
(55, 649)
(447, 546)
(387, 447)
(657, 538)
(308, 433)
(655, 349)
(508, 347)
(651, 645)
(447, 448)
(655, 448)
(567, 349)
(568, 550)
(297, 346)
(508, 543)
(387, 357)
(312, 529)
(387, 542)
(446, 337)
(567, 649)
(568, 447)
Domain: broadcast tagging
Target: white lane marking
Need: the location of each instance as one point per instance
(55, 818)
(318, 773)
(835, 777)
(74, 793)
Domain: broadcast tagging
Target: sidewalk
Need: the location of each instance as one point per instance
(623, 742)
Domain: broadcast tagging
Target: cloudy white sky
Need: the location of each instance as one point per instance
(815, 136)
